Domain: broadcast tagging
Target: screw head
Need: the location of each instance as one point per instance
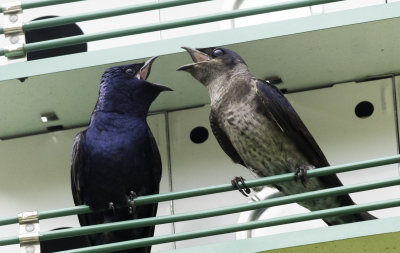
(14, 39)
(30, 249)
(14, 18)
(29, 228)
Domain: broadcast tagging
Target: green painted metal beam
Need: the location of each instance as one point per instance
(42, 3)
(144, 200)
(267, 180)
(9, 240)
(51, 235)
(32, 47)
(38, 24)
(237, 227)
(238, 38)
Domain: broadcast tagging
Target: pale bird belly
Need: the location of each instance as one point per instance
(266, 151)
(262, 145)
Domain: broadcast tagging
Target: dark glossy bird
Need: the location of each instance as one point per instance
(116, 158)
(258, 128)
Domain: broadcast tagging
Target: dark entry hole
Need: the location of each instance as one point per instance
(55, 128)
(54, 33)
(364, 109)
(199, 135)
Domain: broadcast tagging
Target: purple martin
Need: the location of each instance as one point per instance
(258, 128)
(116, 158)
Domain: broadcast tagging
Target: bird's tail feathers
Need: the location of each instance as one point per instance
(365, 216)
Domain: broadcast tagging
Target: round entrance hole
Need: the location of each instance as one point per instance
(199, 135)
(364, 109)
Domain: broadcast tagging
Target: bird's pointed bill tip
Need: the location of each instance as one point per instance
(186, 67)
(151, 60)
(197, 55)
(162, 87)
(144, 72)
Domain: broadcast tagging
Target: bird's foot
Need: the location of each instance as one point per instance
(111, 207)
(301, 173)
(242, 187)
(131, 203)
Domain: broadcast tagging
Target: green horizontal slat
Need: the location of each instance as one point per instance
(42, 3)
(51, 235)
(340, 211)
(8, 220)
(9, 240)
(64, 212)
(218, 211)
(31, 47)
(267, 180)
(143, 200)
(38, 24)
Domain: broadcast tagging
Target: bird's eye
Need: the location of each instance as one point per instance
(217, 52)
(129, 71)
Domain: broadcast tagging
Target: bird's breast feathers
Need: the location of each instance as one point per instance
(259, 141)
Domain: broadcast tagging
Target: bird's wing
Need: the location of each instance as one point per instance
(77, 170)
(156, 159)
(153, 155)
(223, 140)
(279, 110)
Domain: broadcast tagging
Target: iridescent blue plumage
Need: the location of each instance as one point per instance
(116, 157)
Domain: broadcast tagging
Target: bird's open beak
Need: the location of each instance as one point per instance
(144, 72)
(161, 87)
(197, 57)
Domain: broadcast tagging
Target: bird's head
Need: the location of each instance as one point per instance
(125, 87)
(213, 63)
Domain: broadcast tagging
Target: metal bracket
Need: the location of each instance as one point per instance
(29, 232)
(13, 31)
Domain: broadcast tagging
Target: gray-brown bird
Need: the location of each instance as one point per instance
(258, 128)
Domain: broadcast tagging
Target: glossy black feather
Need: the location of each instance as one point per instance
(77, 167)
(278, 109)
(117, 154)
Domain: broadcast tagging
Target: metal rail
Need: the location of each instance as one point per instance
(340, 211)
(226, 210)
(57, 234)
(44, 23)
(32, 47)
(144, 200)
(42, 3)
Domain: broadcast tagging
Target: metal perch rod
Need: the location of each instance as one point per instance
(38, 24)
(143, 200)
(208, 213)
(37, 46)
(340, 211)
(42, 3)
